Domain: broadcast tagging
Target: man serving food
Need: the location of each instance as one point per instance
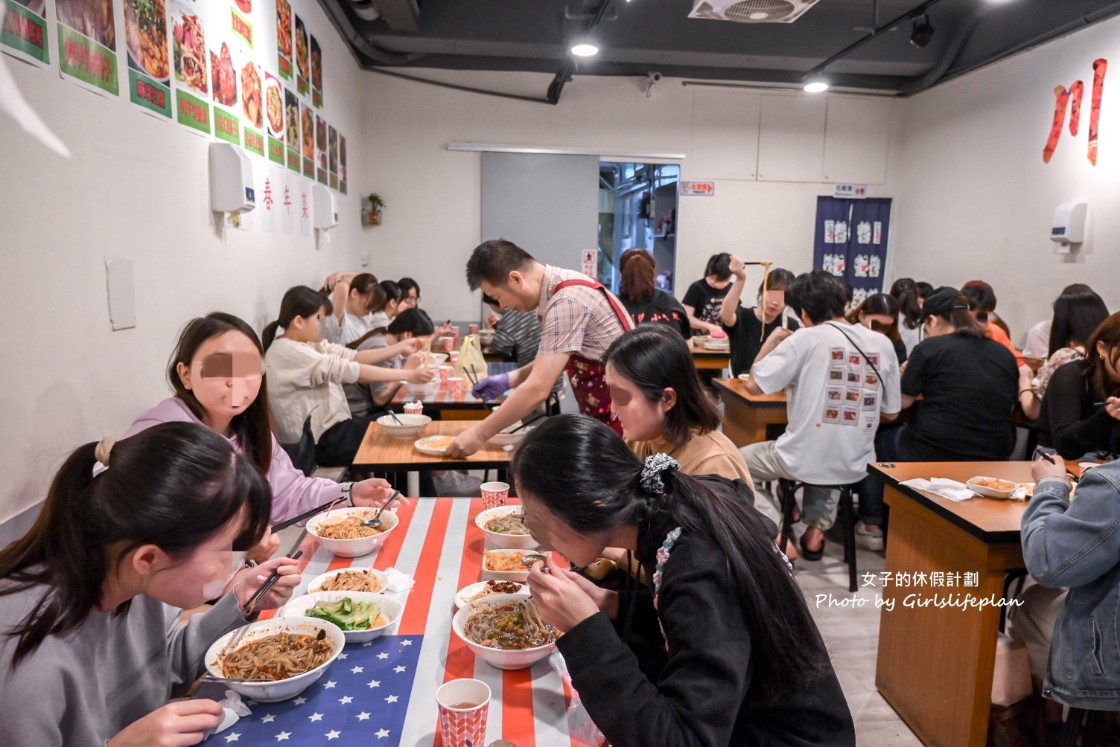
(579, 320)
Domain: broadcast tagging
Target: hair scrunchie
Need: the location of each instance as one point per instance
(101, 453)
(651, 472)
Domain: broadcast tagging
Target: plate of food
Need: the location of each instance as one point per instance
(992, 487)
(145, 35)
(433, 445)
(361, 616)
(341, 531)
(274, 107)
(505, 564)
(481, 589)
(350, 579)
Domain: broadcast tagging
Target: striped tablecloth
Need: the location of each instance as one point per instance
(438, 544)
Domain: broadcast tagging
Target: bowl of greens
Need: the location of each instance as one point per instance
(361, 615)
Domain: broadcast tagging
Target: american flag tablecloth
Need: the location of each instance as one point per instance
(383, 693)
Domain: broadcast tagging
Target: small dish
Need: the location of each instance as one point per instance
(433, 445)
(464, 595)
(503, 539)
(391, 611)
(992, 487)
(520, 574)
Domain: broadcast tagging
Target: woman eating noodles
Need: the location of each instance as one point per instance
(218, 377)
(747, 329)
(744, 663)
(88, 654)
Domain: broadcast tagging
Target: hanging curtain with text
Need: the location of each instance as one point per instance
(850, 241)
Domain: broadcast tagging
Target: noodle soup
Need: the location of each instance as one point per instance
(277, 657)
(505, 630)
(504, 527)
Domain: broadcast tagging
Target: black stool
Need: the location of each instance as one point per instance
(1087, 728)
(845, 513)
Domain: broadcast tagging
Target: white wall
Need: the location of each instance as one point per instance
(135, 188)
(433, 217)
(975, 199)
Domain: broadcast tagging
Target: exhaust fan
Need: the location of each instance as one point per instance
(751, 11)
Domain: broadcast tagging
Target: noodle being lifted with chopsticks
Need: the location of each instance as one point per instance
(277, 657)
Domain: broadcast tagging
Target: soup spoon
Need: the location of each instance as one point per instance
(375, 522)
(528, 559)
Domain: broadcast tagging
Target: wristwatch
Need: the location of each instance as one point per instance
(346, 488)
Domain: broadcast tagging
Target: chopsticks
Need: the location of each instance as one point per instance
(530, 421)
(266, 587)
(307, 514)
(470, 375)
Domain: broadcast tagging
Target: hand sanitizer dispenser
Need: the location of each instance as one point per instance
(1069, 224)
(324, 210)
(231, 179)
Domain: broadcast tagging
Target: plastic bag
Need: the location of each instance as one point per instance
(472, 364)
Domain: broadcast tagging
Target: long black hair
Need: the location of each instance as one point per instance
(299, 300)
(252, 426)
(174, 485)
(654, 357)
(908, 295)
(587, 477)
(1077, 313)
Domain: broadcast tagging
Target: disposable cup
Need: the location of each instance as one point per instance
(463, 707)
(494, 494)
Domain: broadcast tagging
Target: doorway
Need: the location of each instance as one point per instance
(638, 208)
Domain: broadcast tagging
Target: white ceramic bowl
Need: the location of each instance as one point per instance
(435, 360)
(413, 425)
(270, 692)
(352, 548)
(423, 391)
(500, 658)
(988, 491)
(318, 582)
(504, 438)
(391, 610)
(521, 575)
(486, 336)
(497, 539)
(463, 596)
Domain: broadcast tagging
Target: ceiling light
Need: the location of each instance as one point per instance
(922, 32)
(816, 85)
(584, 48)
(759, 15)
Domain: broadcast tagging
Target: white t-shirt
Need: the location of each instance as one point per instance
(349, 329)
(834, 399)
(1038, 340)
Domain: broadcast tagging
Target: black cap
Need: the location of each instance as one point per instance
(943, 301)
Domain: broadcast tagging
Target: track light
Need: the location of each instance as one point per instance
(922, 32)
(816, 85)
(584, 47)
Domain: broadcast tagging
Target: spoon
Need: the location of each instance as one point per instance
(393, 415)
(528, 559)
(375, 522)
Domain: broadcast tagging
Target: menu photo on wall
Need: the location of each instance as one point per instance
(303, 63)
(223, 80)
(87, 43)
(284, 39)
(24, 34)
(192, 81)
(252, 97)
(274, 118)
(332, 157)
(291, 129)
(307, 139)
(320, 150)
(316, 74)
(342, 164)
(149, 63)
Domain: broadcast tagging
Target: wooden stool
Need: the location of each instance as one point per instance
(845, 513)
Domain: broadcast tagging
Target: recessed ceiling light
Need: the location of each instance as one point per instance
(584, 48)
(758, 15)
(816, 86)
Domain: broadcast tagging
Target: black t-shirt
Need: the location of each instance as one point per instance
(968, 388)
(746, 338)
(1071, 422)
(706, 300)
(662, 309)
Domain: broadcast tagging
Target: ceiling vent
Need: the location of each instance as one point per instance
(751, 11)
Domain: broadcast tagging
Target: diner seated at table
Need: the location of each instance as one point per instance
(841, 380)
(747, 329)
(879, 312)
(1073, 544)
(1077, 418)
(306, 376)
(646, 303)
(354, 299)
(375, 396)
(743, 662)
(1077, 313)
(910, 297)
(410, 299)
(982, 304)
(89, 652)
(704, 298)
(218, 378)
(966, 382)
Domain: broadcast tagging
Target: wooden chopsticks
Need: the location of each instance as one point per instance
(266, 587)
(307, 514)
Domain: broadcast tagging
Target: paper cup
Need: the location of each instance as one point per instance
(494, 494)
(455, 386)
(463, 707)
(414, 408)
(445, 372)
(473, 329)
(448, 342)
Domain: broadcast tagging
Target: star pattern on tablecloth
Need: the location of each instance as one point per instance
(364, 716)
(391, 699)
(399, 669)
(268, 718)
(343, 657)
(332, 734)
(234, 737)
(383, 655)
(283, 736)
(374, 683)
(382, 733)
(357, 670)
(330, 685)
(316, 717)
(345, 700)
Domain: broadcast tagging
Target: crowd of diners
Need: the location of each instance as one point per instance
(697, 633)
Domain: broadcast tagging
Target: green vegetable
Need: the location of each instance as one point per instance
(346, 613)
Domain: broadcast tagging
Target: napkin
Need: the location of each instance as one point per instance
(944, 487)
(398, 581)
(232, 710)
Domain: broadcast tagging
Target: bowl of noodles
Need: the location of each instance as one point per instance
(284, 653)
(504, 526)
(340, 531)
(350, 579)
(361, 616)
(505, 630)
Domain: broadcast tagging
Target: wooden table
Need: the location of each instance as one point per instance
(746, 415)
(935, 664)
(443, 406)
(437, 543)
(382, 453)
(710, 360)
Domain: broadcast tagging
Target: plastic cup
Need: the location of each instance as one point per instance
(494, 494)
(473, 329)
(445, 372)
(414, 408)
(463, 707)
(455, 386)
(448, 342)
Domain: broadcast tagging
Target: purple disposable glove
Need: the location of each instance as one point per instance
(491, 387)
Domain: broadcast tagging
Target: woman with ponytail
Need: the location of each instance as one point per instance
(744, 662)
(306, 374)
(88, 654)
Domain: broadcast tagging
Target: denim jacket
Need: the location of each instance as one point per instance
(1077, 544)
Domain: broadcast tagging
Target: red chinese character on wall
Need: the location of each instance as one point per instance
(303, 198)
(287, 198)
(268, 194)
